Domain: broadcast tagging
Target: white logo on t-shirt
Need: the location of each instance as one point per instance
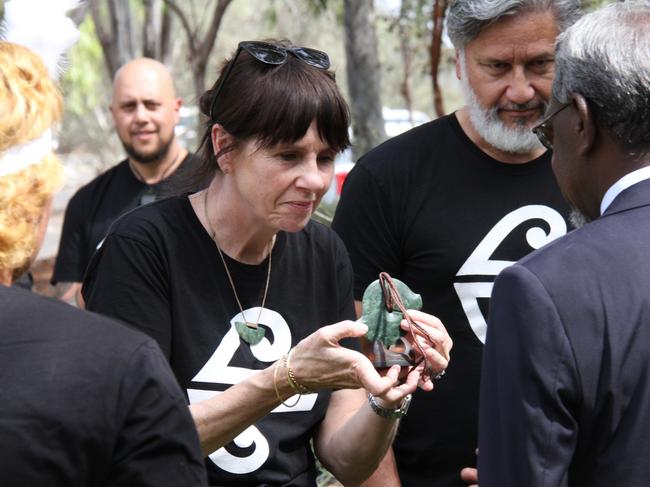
(217, 370)
(479, 263)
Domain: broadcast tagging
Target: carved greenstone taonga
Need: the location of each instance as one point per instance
(383, 325)
(250, 335)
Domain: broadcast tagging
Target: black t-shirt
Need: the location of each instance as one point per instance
(85, 401)
(95, 206)
(159, 270)
(433, 210)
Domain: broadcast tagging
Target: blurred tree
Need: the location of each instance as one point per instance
(411, 25)
(118, 21)
(364, 75)
(438, 18)
(199, 45)
(156, 31)
(114, 28)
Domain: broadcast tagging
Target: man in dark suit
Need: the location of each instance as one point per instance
(565, 386)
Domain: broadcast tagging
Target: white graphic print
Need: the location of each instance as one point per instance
(218, 371)
(479, 263)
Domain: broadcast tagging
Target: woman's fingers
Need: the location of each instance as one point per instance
(398, 392)
(319, 361)
(436, 336)
(371, 381)
(344, 329)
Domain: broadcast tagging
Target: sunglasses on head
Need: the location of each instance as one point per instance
(544, 129)
(274, 55)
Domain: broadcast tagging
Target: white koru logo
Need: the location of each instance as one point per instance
(218, 371)
(479, 263)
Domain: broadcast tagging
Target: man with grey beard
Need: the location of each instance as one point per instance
(145, 110)
(448, 205)
(565, 388)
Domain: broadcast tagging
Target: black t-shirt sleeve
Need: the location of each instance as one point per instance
(366, 225)
(127, 280)
(157, 444)
(72, 257)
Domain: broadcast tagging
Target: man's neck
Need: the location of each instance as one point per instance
(154, 172)
(502, 156)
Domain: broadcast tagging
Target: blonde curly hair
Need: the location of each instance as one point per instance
(31, 103)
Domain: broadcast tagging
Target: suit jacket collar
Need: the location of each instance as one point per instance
(635, 196)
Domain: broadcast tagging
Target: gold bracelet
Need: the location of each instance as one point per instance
(275, 385)
(291, 378)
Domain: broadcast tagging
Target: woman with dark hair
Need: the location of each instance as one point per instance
(236, 284)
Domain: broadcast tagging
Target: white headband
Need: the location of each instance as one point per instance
(27, 154)
(43, 27)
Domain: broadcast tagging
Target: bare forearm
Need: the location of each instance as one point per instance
(70, 292)
(220, 419)
(355, 449)
(386, 474)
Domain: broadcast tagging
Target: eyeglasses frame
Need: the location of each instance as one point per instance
(541, 129)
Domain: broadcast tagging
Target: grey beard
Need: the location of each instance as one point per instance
(486, 121)
(577, 219)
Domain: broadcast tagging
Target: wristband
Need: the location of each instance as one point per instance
(387, 412)
(291, 378)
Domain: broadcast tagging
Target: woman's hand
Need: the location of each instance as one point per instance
(319, 362)
(433, 341)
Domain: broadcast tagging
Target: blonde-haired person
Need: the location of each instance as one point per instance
(88, 401)
(31, 105)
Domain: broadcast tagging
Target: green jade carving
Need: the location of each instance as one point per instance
(250, 335)
(383, 325)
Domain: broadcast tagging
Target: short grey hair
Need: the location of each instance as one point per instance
(466, 18)
(605, 57)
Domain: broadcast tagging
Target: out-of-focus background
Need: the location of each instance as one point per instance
(381, 52)
(392, 58)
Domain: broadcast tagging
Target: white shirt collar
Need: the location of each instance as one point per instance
(622, 184)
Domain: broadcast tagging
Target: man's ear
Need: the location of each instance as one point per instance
(586, 129)
(457, 64)
(221, 140)
(178, 103)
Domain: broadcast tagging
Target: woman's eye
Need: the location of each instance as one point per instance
(326, 160)
(289, 156)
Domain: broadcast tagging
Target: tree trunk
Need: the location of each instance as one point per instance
(117, 40)
(407, 58)
(439, 11)
(364, 80)
(152, 29)
(200, 48)
(165, 36)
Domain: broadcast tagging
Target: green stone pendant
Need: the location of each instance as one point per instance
(251, 335)
(384, 325)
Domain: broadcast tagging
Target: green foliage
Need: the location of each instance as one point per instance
(277, 11)
(82, 82)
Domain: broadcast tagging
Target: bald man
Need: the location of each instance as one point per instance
(145, 111)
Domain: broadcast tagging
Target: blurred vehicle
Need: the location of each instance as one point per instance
(399, 120)
(186, 127)
(396, 121)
